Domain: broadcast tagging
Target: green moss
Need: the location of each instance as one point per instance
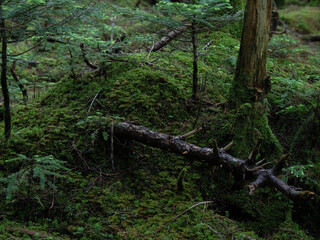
(251, 125)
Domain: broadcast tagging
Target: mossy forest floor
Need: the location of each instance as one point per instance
(141, 198)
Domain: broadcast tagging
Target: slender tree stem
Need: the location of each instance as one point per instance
(195, 61)
(4, 85)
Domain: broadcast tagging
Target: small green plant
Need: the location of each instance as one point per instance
(304, 174)
(283, 46)
(36, 177)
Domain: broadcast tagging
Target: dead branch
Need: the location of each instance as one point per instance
(252, 157)
(21, 53)
(214, 156)
(86, 60)
(27, 231)
(228, 147)
(259, 167)
(184, 136)
(95, 97)
(112, 147)
(20, 84)
(167, 39)
(181, 214)
(216, 232)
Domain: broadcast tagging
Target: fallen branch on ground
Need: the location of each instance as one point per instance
(311, 37)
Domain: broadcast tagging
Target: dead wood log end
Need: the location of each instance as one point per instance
(252, 188)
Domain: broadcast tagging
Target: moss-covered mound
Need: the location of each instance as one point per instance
(304, 20)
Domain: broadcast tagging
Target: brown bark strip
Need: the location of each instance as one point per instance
(20, 84)
(176, 145)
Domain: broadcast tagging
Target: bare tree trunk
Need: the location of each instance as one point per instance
(4, 85)
(251, 85)
(251, 65)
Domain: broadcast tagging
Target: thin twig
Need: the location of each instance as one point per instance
(35, 46)
(259, 167)
(95, 97)
(20, 84)
(181, 214)
(80, 156)
(112, 147)
(226, 148)
(13, 237)
(207, 45)
(184, 136)
(86, 60)
(150, 51)
(216, 232)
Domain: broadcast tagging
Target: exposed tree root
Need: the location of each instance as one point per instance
(215, 156)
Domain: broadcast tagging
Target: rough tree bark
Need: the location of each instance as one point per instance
(251, 84)
(4, 84)
(215, 156)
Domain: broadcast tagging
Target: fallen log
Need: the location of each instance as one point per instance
(215, 156)
(28, 232)
(311, 37)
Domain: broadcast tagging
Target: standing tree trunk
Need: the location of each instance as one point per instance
(195, 62)
(251, 85)
(4, 85)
